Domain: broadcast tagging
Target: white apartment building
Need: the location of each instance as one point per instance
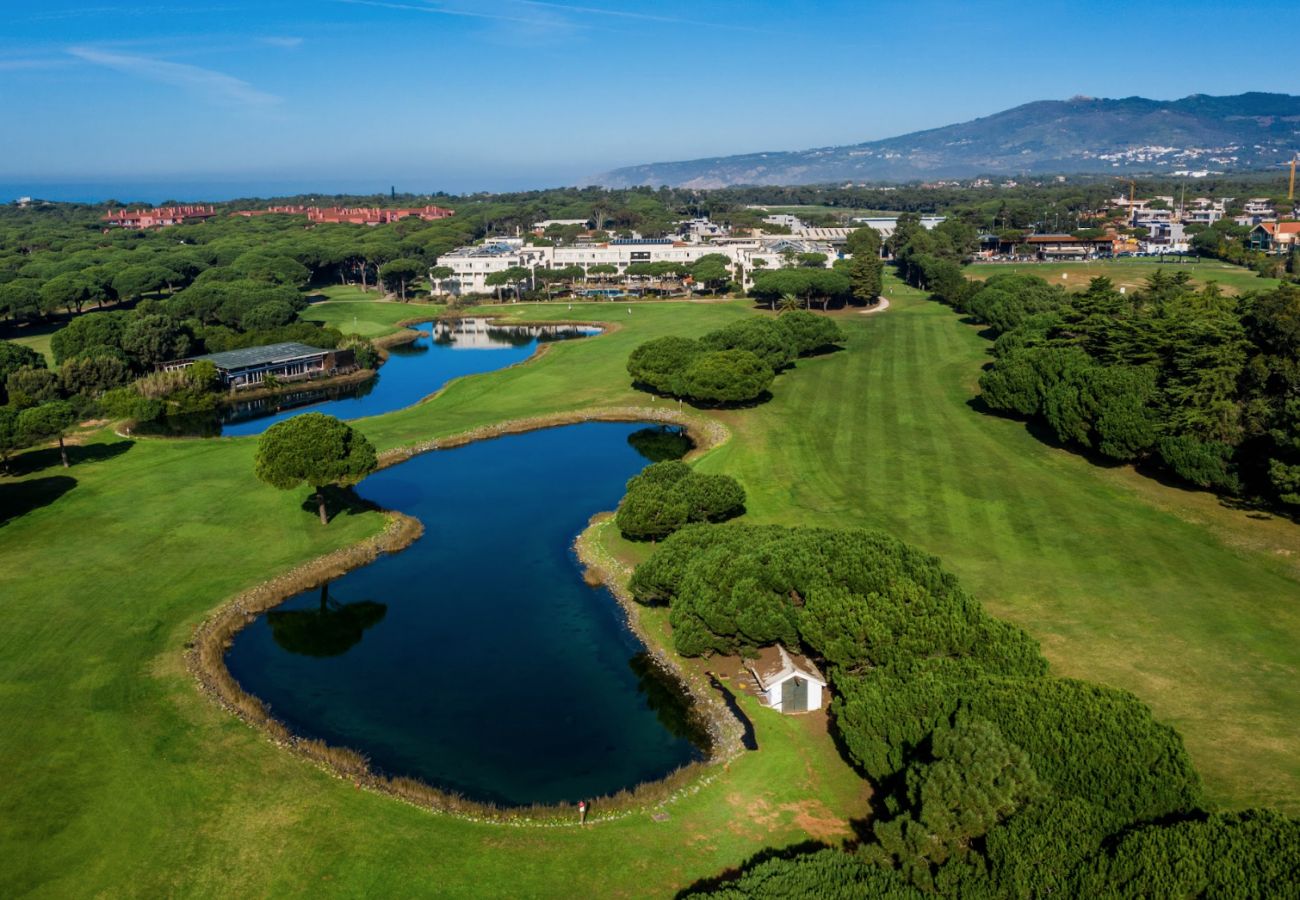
(560, 223)
(473, 265)
(784, 220)
(887, 225)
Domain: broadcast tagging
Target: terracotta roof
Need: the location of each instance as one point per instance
(156, 215)
(774, 665)
(1280, 227)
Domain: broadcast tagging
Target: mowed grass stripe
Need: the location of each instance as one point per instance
(1117, 591)
(121, 779)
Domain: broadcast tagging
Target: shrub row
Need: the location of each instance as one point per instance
(992, 778)
(735, 364)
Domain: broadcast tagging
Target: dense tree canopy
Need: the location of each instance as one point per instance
(808, 332)
(32, 385)
(763, 337)
(397, 274)
(313, 449)
(14, 357)
(659, 363)
(991, 778)
(726, 377)
(735, 364)
(823, 286)
(972, 779)
(49, 421)
(667, 495)
(1198, 383)
(86, 333)
(860, 598)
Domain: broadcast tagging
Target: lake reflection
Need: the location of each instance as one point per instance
(477, 659)
(330, 630)
(412, 372)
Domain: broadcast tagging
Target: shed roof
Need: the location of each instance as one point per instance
(261, 356)
(774, 665)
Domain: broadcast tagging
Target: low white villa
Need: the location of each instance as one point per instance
(788, 684)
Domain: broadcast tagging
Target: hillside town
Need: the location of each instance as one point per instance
(1157, 226)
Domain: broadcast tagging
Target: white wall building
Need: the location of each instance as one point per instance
(472, 265)
(561, 223)
(784, 220)
(788, 684)
(887, 225)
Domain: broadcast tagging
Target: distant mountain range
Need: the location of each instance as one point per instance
(1083, 134)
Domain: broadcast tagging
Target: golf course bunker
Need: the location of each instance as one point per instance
(477, 659)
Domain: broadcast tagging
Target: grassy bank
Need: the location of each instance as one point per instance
(120, 778)
(354, 311)
(37, 338)
(124, 779)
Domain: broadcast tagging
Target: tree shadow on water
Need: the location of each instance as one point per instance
(18, 498)
(662, 442)
(663, 694)
(748, 739)
(44, 458)
(330, 630)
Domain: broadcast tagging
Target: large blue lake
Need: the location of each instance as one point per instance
(444, 351)
(477, 659)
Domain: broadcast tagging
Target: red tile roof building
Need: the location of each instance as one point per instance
(159, 217)
(270, 210)
(1275, 237)
(374, 215)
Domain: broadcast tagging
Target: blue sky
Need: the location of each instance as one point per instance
(458, 95)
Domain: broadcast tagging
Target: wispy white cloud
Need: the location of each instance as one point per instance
(215, 85)
(541, 14)
(460, 12)
(635, 16)
(133, 10)
(288, 43)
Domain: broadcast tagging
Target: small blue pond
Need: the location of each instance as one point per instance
(477, 659)
(445, 350)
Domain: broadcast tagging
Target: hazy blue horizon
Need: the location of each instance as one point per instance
(206, 100)
(219, 190)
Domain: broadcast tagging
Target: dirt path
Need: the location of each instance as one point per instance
(879, 307)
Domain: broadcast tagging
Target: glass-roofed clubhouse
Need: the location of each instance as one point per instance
(289, 361)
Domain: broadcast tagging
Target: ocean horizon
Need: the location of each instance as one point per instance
(160, 192)
(154, 192)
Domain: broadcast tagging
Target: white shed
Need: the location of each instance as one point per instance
(788, 684)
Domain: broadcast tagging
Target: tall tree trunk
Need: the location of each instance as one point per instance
(363, 276)
(63, 452)
(320, 498)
